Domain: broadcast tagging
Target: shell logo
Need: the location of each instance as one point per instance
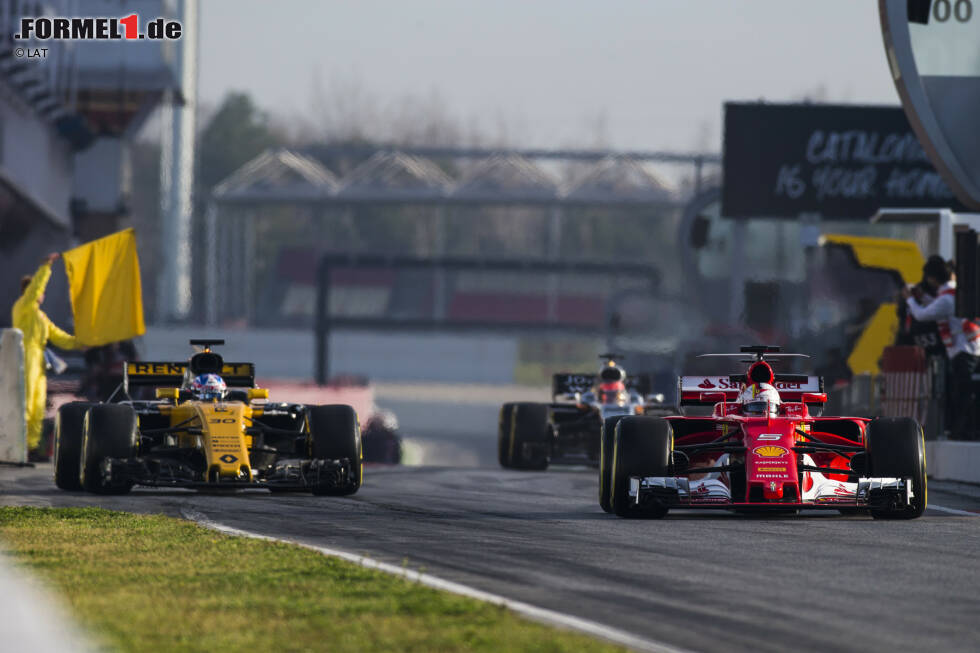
(770, 451)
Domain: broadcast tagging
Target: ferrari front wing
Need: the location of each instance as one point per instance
(681, 492)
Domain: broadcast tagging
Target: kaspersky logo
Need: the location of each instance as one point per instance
(126, 28)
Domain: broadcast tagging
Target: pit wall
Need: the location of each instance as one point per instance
(289, 353)
(953, 461)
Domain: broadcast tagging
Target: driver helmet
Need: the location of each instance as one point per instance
(208, 387)
(759, 399)
(612, 384)
(611, 393)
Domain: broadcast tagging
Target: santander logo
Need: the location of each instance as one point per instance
(727, 383)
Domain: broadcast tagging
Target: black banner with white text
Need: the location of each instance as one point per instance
(841, 161)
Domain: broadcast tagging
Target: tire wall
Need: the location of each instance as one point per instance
(13, 429)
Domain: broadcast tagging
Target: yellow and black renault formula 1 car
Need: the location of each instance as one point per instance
(208, 427)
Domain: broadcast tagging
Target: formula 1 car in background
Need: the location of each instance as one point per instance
(569, 430)
(380, 440)
(762, 448)
(227, 435)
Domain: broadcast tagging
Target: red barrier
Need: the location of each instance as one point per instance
(360, 397)
(906, 389)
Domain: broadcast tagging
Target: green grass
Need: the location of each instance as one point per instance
(154, 583)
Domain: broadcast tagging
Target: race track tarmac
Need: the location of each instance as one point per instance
(701, 581)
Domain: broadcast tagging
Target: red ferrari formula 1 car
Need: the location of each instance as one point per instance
(763, 448)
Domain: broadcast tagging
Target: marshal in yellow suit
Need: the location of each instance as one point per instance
(38, 331)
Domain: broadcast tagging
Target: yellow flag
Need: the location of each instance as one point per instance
(105, 289)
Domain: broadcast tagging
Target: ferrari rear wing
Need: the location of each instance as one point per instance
(708, 390)
(146, 373)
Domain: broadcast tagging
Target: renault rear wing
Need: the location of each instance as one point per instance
(171, 375)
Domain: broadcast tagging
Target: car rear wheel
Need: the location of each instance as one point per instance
(504, 420)
(641, 447)
(896, 449)
(529, 437)
(336, 435)
(605, 461)
(109, 431)
(68, 426)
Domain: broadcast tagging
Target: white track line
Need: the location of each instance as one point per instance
(533, 612)
(952, 511)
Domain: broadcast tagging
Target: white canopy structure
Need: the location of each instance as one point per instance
(409, 178)
(625, 179)
(396, 177)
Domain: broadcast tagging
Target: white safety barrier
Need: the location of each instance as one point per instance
(949, 460)
(13, 427)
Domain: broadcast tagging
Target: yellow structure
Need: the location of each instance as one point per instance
(870, 345)
(901, 256)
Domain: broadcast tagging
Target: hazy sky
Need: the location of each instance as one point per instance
(648, 74)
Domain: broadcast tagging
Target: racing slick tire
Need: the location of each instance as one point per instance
(641, 447)
(504, 420)
(68, 444)
(529, 428)
(605, 460)
(335, 434)
(109, 431)
(896, 449)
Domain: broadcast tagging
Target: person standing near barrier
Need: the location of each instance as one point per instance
(914, 332)
(38, 330)
(960, 337)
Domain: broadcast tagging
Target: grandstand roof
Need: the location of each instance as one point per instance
(283, 175)
(395, 176)
(625, 179)
(278, 175)
(506, 178)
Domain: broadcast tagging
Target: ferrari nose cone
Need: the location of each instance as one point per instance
(773, 491)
